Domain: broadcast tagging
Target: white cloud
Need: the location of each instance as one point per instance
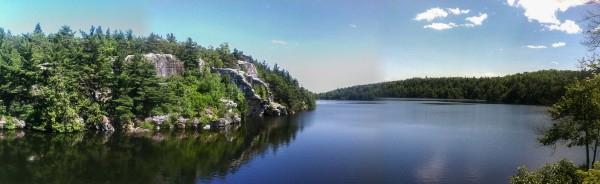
(437, 12)
(280, 42)
(476, 20)
(458, 11)
(431, 14)
(352, 25)
(568, 26)
(510, 2)
(440, 26)
(545, 12)
(556, 63)
(536, 46)
(559, 44)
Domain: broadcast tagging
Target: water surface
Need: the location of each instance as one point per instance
(339, 142)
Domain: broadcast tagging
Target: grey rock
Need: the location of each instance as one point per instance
(105, 125)
(181, 122)
(195, 122)
(256, 105)
(166, 64)
(159, 120)
(221, 122)
(19, 123)
(275, 109)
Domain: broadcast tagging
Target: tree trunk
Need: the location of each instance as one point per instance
(594, 157)
(595, 149)
(587, 150)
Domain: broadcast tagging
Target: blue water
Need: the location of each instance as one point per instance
(339, 142)
(407, 142)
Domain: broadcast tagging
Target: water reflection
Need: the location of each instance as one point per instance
(172, 157)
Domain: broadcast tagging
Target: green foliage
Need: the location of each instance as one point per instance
(64, 83)
(38, 29)
(577, 117)
(591, 176)
(9, 124)
(560, 173)
(285, 89)
(542, 87)
(146, 125)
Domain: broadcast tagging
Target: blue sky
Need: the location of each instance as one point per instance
(339, 43)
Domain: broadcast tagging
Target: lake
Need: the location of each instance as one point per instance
(387, 141)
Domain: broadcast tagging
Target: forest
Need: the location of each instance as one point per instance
(66, 82)
(537, 88)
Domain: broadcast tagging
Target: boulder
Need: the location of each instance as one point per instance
(181, 122)
(221, 122)
(195, 122)
(105, 125)
(16, 123)
(159, 120)
(228, 103)
(19, 123)
(275, 109)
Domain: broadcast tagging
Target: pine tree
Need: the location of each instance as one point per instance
(38, 29)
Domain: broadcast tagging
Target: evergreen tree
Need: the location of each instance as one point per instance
(38, 29)
(64, 83)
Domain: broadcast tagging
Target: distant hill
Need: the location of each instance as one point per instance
(540, 88)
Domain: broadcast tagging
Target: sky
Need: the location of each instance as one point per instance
(330, 44)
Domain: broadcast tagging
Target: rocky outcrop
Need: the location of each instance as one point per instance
(249, 68)
(18, 123)
(105, 125)
(226, 121)
(11, 123)
(159, 121)
(201, 64)
(256, 105)
(166, 64)
(275, 109)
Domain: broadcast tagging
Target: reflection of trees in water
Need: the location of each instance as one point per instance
(137, 158)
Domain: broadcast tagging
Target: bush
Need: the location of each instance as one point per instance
(591, 176)
(146, 125)
(564, 171)
(10, 124)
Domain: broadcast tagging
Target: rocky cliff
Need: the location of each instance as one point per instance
(166, 64)
(256, 105)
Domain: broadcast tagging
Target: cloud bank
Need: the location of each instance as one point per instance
(439, 13)
(545, 11)
(431, 14)
(440, 26)
(559, 44)
(536, 46)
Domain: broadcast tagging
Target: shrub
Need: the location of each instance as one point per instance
(564, 171)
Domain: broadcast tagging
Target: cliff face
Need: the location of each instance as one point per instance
(166, 64)
(256, 105)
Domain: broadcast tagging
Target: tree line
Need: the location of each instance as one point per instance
(62, 82)
(541, 87)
